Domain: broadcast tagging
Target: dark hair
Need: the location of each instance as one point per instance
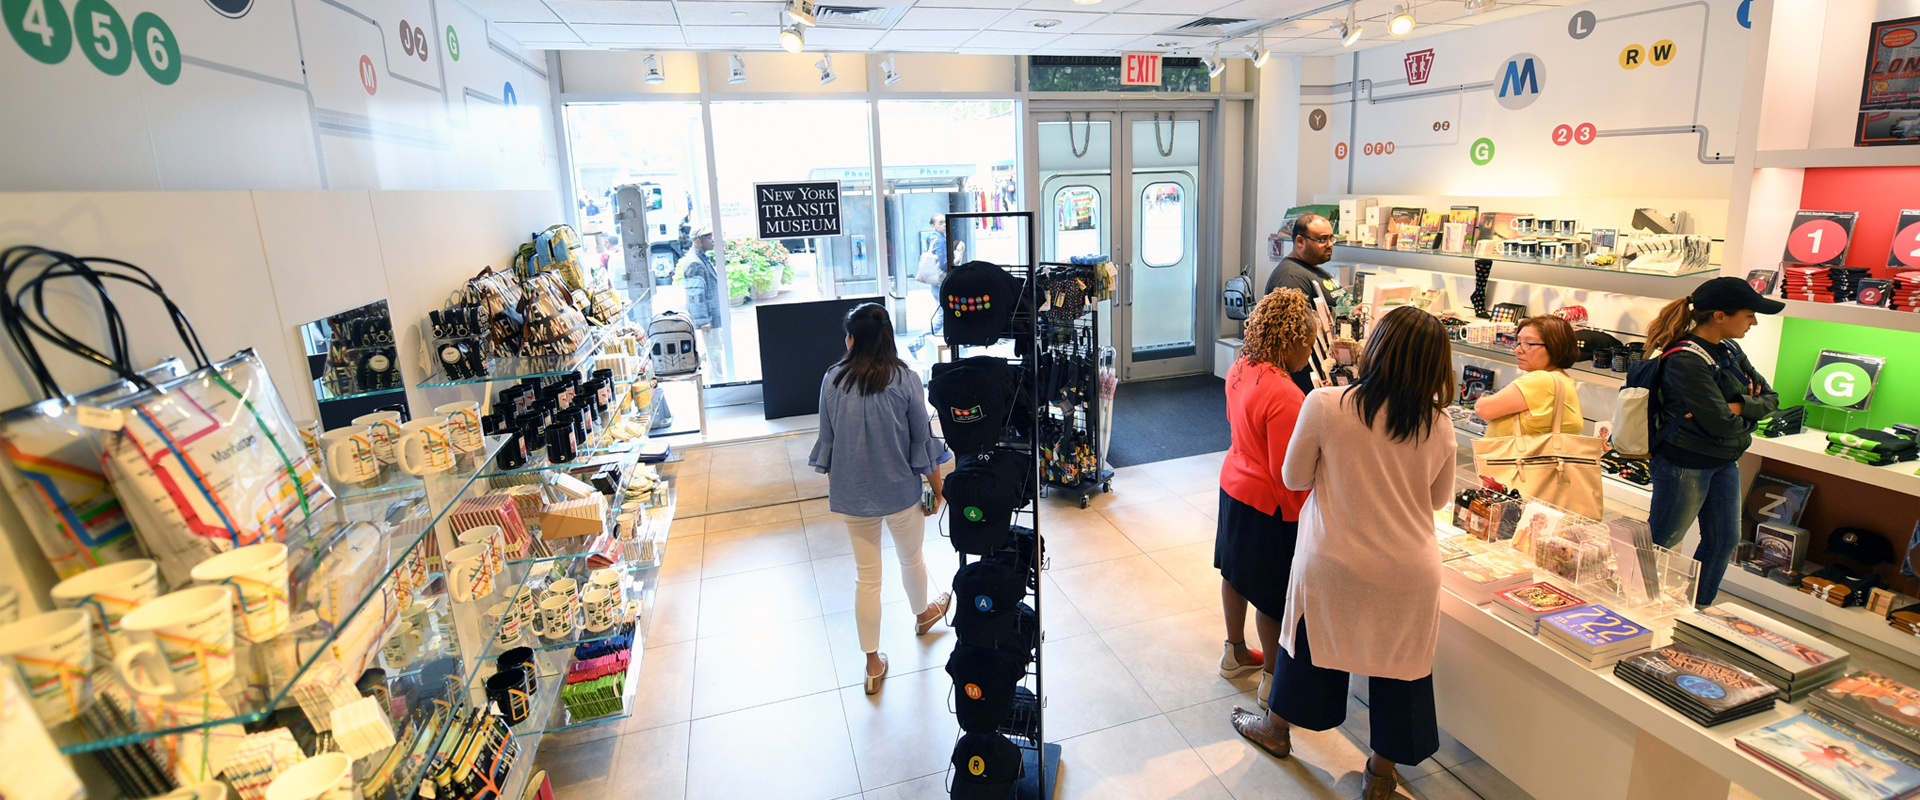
(1563, 348)
(1407, 368)
(1301, 223)
(872, 362)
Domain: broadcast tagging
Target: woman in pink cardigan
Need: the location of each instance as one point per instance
(1364, 594)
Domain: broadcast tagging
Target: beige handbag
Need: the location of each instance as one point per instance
(1560, 469)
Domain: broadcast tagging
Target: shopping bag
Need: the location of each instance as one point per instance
(1560, 469)
(929, 272)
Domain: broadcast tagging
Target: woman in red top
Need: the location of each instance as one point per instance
(1253, 545)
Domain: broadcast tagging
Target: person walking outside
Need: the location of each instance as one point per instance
(1709, 402)
(1259, 516)
(875, 445)
(1363, 594)
(706, 295)
(937, 253)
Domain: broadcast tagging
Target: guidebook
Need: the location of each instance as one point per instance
(1833, 759)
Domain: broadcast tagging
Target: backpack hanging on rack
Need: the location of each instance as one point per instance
(1238, 295)
(673, 349)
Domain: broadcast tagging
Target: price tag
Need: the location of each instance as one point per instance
(1819, 238)
(303, 620)
(99, 418)
(1905, 253)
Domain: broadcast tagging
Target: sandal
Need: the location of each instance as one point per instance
(1378, 787)
(873, 681)
(1243, 719)
(920, 627)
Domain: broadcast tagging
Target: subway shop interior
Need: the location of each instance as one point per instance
(909, 399)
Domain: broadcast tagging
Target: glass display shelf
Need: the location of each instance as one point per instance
(603, 444)
(641, 582)
(324, 394)
(354, 544)
(1506, 354)
(513, 368)
(1561, 264)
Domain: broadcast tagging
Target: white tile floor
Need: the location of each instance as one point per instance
(751, 687)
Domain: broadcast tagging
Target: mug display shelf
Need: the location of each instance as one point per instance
(603, 444)
(327, 395)
(1809, 449)
(385, 524)
(1584, 370)
(658, 520)
(1569, 274)
(504, 369)
(640, 586)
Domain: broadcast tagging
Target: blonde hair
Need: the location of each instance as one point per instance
(1281, 321)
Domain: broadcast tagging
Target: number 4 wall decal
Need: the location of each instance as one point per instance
(44, 32)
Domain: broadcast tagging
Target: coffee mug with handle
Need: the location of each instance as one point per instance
(385, 432)
(504, 620)
(185, 638)
(257, 575)
(351, 456)
(107, 593)
(309, 430)
(422, 448)
(495, 538)
(601, 607)
(328, 776)
(463, 425)
(567, 588)
(405, 646)
(53, 656)
(556, 617)
(469, 572)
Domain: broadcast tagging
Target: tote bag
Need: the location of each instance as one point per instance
(1560, 469)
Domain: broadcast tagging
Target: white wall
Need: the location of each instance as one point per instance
(275, 99)
(621, 72)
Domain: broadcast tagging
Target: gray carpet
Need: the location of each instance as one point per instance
(1166, 419)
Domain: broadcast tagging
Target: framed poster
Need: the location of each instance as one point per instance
(1773, 499)
(1844, 380)
(1819, 238)
(1890, 89)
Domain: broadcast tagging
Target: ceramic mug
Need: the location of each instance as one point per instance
(328, 776)
(405, 645)
(351, 456)
(624, 524)
(565, 587)
(107, 593)
(423, 447)
(463, 425)
(525, 606)
(257, 575)
(504, 620)
(53, 655)
(189, 633)
(601, 607)
(556, 617)
(607, 578)
(384, 432)
(495, 539)
(309, 430)
(469, 572)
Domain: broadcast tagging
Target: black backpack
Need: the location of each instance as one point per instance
(1238, 295)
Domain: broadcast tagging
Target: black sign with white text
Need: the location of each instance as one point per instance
(797, 210)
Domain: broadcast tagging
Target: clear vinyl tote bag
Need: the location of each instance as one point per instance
(1561, 469)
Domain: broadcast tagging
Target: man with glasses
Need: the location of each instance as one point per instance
(1300, 270)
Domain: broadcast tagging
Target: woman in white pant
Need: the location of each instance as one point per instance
(875, 445)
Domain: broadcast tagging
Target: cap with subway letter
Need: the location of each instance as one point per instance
(982, 493)
(983, 681)
(1861, 545)
(988, 586)
(985, 767)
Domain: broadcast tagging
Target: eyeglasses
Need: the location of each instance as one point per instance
(1327, 239)
(1518, 346)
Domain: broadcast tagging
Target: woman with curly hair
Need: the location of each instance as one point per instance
(1253, 543)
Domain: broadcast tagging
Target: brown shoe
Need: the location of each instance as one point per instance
(1244, 720)
(1378, 787)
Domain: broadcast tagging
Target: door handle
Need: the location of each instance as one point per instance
(1126, 278)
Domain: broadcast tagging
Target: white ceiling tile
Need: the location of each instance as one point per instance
(1440, 12)
(538, 31)
(999, 4)
(898, 39)
(574, 45)
(1097, 41)
(1191, 8)
(1010, 40)
(1136, 23)
(512, 10)
(843, 38)
(749, 37)
(630, 12)
(654, 35)
(1267, 9)
(1023, 19)
(1102, 7)
(958, 18)
(699, 13)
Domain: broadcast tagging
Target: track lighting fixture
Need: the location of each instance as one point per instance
(1216, 64)
(802, 11)
(1402, 21)
(736, 69)
(792, 38)
(825, 65)
(1349, 28)
(888, 74)
(653, 75)
(1260, 54)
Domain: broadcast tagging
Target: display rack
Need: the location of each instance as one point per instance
(503, 369)
(1665, 286)
(1073, 459)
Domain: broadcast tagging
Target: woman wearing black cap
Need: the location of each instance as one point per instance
(1710, 399)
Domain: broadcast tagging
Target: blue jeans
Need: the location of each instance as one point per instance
(1713, 496)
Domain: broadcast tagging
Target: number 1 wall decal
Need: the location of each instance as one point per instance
(1819, 238)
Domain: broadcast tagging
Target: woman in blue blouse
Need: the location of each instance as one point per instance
(875, 445)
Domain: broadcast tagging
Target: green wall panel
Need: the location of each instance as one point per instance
(1896, 396)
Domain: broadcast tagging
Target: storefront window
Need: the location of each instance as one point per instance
(1102, 74)
(1163, 228)
(1077, 213)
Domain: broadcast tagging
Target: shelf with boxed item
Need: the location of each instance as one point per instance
(1856, 624)
(1809, 449)
(1854, 314)
(1569, 274)
(352, 571)
(1584, 371)
(324, 394)
(505, 369)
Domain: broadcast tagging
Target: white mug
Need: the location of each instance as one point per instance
(463, 425)
(525, 606)
(469, 572)
(422, 448)
(53, 655)
(385, 432)
(601, 606)
(9, 605)
(257, 575)
(328, 776)
(107, 593)
(189, 633)
(556, 617)
(565, 587)
(495, 538)
(309, 430)
(607, 578)
(405, 645)
(625, 525)
(504, 620)
(351, 455)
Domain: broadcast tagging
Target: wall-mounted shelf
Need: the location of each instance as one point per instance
(1855, 314)
(1890, 156)
(1583, 371)
(1569, 275)
(1855, 624)
(1809, 450)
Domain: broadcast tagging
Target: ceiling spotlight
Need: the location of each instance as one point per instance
(1044, 24)
(1349, 28)
(888, 74)
(792, 39)
(1402, 21)
(1477, 6)
(654, 76)
(1260, 54)
(736, 69)
(825, 65)
(1216, 64)
(802, 11)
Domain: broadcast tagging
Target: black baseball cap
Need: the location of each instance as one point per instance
(983, 683)
(985, 767)
(1730, 294)
(982, 493)
(987, 587)
(1861, 545)
(973, 397)
(1013, 631)
(978, 298)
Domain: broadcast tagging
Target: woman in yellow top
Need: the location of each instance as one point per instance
(1547, 348)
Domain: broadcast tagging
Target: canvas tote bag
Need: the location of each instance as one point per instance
(1560, 469)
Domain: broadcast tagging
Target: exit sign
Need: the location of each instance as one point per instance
(1140, 69)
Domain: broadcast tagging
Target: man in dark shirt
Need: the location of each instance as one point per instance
(1300, 270)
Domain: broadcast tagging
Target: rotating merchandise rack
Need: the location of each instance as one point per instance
(1073, 421)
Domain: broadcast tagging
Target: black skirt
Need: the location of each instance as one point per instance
(1254, 553)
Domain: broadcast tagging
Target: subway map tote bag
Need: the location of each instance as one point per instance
(211, 462)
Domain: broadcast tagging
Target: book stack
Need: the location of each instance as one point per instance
(1476, 578)
(1906, 291)
(1527, 605)
(1595, 635)
(1832, 759)
(1822, 284)
(1785, 657)
(1705, 689)
(1877, 706)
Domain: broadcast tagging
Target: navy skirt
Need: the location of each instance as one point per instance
(1254, 553)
